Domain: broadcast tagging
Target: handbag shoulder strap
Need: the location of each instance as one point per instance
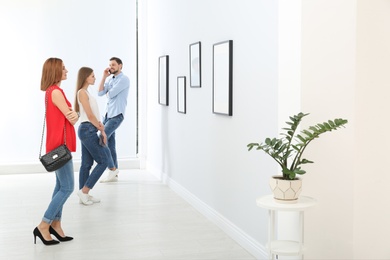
(44, 123)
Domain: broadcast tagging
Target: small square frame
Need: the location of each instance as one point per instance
(195, 65)
(223, 78)
(163, 80)
(181, 95)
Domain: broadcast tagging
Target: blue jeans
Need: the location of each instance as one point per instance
(64, 187)
(91, 151)
(110, 125)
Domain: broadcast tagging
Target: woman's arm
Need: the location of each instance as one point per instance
(104, 137)
(59, 101)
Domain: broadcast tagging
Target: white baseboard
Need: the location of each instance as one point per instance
(36, 167)
(243, 239)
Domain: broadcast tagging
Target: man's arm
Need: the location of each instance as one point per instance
(106, 73)
(122, 84)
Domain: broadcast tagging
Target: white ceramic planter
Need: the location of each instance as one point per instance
(285, 191)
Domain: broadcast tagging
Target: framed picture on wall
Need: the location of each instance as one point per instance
(181, 94)
(195, 65)
(223, 78)
(163, 80)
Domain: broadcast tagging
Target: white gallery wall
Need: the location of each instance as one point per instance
(81, 33)
(338, 67)
(201, 155)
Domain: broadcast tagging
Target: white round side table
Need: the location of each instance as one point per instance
(285, 247)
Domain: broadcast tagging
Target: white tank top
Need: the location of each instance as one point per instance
(94, 106)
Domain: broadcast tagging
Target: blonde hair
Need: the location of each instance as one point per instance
(83, 74)
(51, 73)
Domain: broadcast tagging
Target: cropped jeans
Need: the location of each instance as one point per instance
(110, 125)
(92, 151)
(63, 189)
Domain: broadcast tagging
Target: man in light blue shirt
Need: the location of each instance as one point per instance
(116, 88)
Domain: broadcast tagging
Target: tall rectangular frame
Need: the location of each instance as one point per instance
(223, 78)
(195, 65)
(163, 80)
(181, 95)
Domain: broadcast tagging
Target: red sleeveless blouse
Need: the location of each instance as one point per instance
(55, 122)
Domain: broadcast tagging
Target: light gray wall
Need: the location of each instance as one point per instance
(81, 33)
(203, 153)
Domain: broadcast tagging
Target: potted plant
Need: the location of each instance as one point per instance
(287, 151)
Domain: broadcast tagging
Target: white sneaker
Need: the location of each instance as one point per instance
(112, 176)
(91, 198)
(84, 198)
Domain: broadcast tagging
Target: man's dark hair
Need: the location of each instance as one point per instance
(119, 61)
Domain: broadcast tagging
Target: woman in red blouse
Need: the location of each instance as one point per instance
(60, 120)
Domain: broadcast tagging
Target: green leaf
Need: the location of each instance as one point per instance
(321, 126)
(303, 161)
(282, 148)
(303, 140)
(294, 127)
(299, 171)
(296, 147)
(307, 133)
(251, 145)
(327, 126)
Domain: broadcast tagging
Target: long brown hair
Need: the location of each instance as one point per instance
(83, 74)
(51, 73)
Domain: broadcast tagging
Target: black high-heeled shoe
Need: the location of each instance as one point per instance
(60, 238)
(38, 233)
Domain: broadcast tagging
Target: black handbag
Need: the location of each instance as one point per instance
(58, 157)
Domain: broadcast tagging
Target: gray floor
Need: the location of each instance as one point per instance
(138, 218)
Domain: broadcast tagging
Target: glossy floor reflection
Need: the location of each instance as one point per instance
(138, 218)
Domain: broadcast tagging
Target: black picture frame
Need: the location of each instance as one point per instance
(181, 95)
(195, 65)
(163, 80)
(223, 78)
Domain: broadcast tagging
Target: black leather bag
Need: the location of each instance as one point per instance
(56, 158)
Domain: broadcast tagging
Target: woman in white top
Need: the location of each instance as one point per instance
(93, 144)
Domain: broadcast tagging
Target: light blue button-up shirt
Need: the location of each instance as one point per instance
(117, 90)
